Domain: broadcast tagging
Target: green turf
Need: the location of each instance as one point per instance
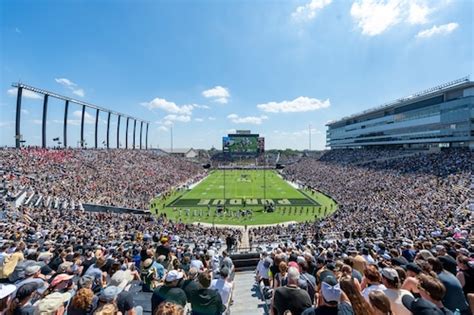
(244, 189)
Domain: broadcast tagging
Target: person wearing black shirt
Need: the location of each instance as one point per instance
(290, 297)
(206, 301)
(329, 300)
(169, 292)
(190, 285)
(163, 249)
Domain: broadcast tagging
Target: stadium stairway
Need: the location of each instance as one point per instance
(246, 296)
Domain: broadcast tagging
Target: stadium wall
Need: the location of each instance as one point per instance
(102, 208)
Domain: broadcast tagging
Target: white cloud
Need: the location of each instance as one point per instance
(218, 94)
(25, 111)
(418, 13)
(438, 30)
(211, 118)
(309, 10)
(180, 118)
(201, 106)
(65, 82)
(79, 92)
(253, 120)
(299, 104)
(37, 121)
(25, 93)
(374, 17)
(170, 107)
(163, 128)
(71, 86)
(198, 119)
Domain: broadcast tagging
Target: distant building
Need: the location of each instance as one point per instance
(442, 116)
(188, 153)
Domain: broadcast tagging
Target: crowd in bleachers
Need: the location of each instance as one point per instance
(56, 261)
(124, 178)
(394, 216)
(399, 242)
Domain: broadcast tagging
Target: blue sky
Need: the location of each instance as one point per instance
(210, 67)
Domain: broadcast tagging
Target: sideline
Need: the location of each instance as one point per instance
(242, 227)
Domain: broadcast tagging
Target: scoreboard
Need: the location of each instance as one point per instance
(243, 144)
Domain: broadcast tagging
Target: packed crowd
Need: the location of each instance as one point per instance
(124, 178)
(369, 277)
(76, 262)
(402, 228)
(356, 156)
(399, 242)
(412, 197)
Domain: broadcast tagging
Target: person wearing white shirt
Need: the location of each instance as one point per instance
(371, 281)
(222, 286)
(391, 280)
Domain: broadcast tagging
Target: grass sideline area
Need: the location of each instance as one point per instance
(244, 189)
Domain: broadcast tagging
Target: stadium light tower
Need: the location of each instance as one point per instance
(48, 94)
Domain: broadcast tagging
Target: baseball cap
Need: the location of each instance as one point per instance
(389, 273)
(64, 266)
(110, 293)
(425, 254)
(173, 275)
(413, 267)
(329, 279)
(60, 278)
(52, 302)
(31, 270)
(26, 290)
(85, 281)
(420, 306)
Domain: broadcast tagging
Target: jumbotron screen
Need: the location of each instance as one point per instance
(241, 144)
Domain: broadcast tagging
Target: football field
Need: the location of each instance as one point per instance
(238, 190)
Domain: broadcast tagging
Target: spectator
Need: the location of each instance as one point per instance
(167, 308)
(290, 297)
(83, 303)
(330, 300)
(390, 280)
(454, 297)
(206, 301)
(52, 303)
(6, 293)
(223, 286)
(466, 278)
(169, 292)
(380, 303)
(22, 304)
(359, 305)
(190, 285)
(372, 281)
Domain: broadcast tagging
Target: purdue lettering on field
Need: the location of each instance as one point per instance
(241, 202)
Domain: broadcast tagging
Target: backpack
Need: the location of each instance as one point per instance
(150, 278)
(310, 287)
